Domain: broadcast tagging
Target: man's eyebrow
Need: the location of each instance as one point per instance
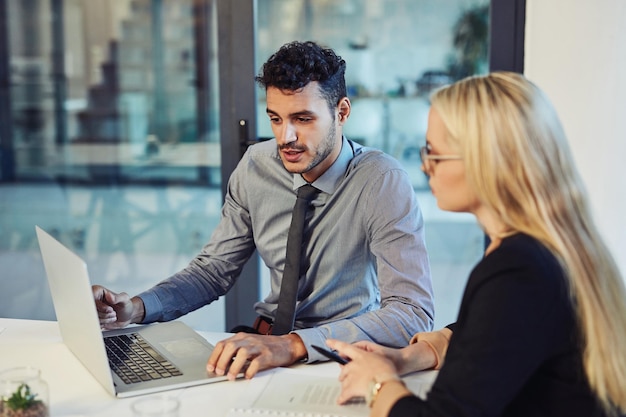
(294, 114)
(303, 113)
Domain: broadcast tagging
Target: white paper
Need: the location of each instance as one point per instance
(289, 393)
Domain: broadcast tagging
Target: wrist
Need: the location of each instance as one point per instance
(377, 384)
(407, 362)
(139, 310)
(296, 347)
(432, 348)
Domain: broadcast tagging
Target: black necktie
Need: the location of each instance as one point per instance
(285, 313)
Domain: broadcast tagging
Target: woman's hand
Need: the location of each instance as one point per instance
(368, 362)
(412, 358)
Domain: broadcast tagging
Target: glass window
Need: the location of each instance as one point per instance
(114, 143)
(396, 53)
(110, 127)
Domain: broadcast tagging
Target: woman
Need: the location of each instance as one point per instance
(541, 329)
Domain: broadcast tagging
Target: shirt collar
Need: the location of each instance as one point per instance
(329, 180)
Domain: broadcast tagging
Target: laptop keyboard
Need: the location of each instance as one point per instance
(134, 360)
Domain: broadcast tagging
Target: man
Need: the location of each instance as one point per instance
(365, 273)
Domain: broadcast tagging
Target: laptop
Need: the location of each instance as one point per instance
(178, 354)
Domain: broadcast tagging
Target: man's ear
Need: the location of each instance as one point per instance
(343, 110)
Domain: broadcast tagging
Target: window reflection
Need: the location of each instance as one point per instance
(111, 139)
(118, 101)
(397, 52)
(113, 144)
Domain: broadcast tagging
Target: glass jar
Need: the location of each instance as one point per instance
(23, 393)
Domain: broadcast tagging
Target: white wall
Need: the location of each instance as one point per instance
(576, 51)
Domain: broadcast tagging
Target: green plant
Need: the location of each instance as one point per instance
(22, 398)
(471, 42)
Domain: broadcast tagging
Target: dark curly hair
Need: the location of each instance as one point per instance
(296, 64)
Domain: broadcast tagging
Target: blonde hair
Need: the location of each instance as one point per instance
(518, 162)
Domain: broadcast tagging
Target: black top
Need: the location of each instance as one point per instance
(515, 348)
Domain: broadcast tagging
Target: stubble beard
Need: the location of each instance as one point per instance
(323, 151)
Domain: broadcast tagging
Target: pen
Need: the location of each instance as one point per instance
(330, 354)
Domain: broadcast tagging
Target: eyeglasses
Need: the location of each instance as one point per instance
(430, 161)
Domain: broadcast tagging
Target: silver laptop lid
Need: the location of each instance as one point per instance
(74, 306)
(80, 328)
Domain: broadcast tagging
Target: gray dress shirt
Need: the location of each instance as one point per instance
(367, 275)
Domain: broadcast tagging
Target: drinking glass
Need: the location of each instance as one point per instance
(23, 393)
(156, 406)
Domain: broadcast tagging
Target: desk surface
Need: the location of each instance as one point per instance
(74, 392)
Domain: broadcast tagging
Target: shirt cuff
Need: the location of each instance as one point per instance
(309, 337)
(152, 307)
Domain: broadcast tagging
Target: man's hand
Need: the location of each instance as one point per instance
(116, 310)
(251, 353)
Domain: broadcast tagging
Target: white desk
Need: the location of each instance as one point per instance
(74, 392)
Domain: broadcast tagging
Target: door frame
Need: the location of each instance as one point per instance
(236, 46)
(237, 31)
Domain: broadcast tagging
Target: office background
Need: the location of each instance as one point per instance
(134, 228)
(120, 140)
